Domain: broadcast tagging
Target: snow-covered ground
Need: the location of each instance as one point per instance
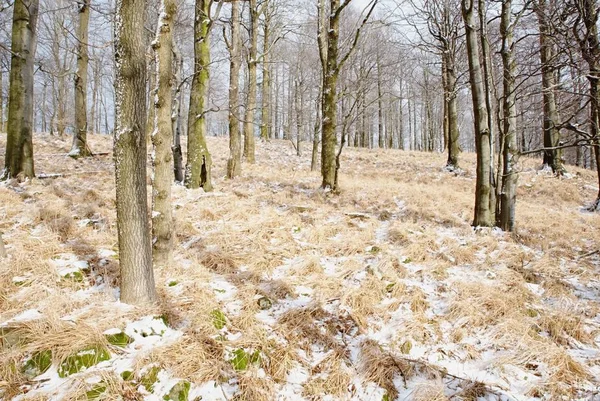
(279, 291)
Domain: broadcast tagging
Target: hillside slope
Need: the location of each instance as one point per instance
(281, 292)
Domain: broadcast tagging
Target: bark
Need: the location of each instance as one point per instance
(265, 126)
(452, 114)
(135, 244)
(276, 117)
(299, 101)
(590, 48)
(552, 158)
(198, 169)
(287, 130)
(483, 213)
(19, 144)
(400, 120)
(162, 140)
(330, 77)
(486, 63)
(2, 119)
(178, 172)
(251, 104)
(93, 123)
(80, 146)
(508, 196)
(314, 160)
(233, 163)
(380, 126)
(3, 254)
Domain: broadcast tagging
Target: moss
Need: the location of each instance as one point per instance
(178, 392)
(39, 363)
(127, 375)
(219, 319)
(82, 360)
(374, 249)
(242, 359)
(264, 303)
(76, 276)
(119, 340)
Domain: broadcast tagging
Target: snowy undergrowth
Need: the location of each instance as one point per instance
(279, 291)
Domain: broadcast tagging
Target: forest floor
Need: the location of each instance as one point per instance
(279, 291)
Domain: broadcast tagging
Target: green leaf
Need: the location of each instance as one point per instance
(178, 392)
(219, 319)
(406, 347)
(242, 359)
(150, 378)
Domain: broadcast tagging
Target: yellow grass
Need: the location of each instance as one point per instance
(394, 248)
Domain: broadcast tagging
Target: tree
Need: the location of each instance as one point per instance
(80, 146)
(508, 194)
(331, 70)
(162, 139)
(552, 157)
(265, 126)
(135, 245)
(483, 191)
(251, 103)
(585, 31)
(234, 46)
(199, 162)
(19, 144)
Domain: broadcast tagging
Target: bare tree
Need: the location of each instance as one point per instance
(198, 168)
(483, 190)
(19, 144)
(508, 194)
(162, 139)
(234, 46)
(135, 244)
(80, 147)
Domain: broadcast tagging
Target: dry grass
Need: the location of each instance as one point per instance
(392, 255)
(381, 367)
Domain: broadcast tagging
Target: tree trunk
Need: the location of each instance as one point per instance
(265, 126)
(233, 163)
(162, 139)
(508, 196)
(380, 126)
(19, 144)
(552, 158)
(299, 100)
(276, 116)
(135, 244)
(452, 114)
(483, 214)
(486, 63)
(330, 77)
(251, 104)
(176, 117)
(198, 167)
(2, 125)
(314, 160)
(92, 124)
(80, 147)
